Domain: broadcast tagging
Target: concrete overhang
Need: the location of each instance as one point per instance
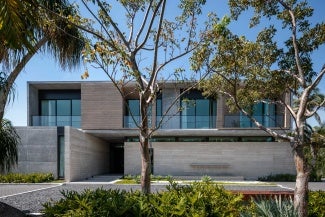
(122, 133)
(55, 85)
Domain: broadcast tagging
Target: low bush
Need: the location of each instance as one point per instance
(26, 178)
(278, 206)
(316, 204)
(197, 199)
(284, 207)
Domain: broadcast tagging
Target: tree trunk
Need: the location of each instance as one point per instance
(3, 103)
(301, 188)
(144, 144)
(145, 169)
(4, 93)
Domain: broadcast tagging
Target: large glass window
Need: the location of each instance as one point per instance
(60, 112)
(159, 108)
(76, 112)
(132, 113)
(264, 113)
(197, 111)
(48, 113)
(63, 112)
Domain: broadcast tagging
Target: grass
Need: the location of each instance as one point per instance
(127, 180)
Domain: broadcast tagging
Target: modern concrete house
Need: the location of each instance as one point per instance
(80, 129)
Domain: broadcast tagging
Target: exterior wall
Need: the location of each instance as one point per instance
(221, 110)
(32, 102)
(248, 159)
(85, 155)
(38, 151)
(168, 96)
(101, 106)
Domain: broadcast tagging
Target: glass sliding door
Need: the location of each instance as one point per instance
(63, 112)
(48, 113)
(132, 113)
(264, 113)
(197, 111)
(60, 113)
(188, 114)
(76, 112)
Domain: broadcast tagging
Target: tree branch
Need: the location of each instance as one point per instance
(149, 27)
(301, 78)
(144, 22)
(110, 20)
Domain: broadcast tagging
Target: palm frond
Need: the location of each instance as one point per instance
(9, 141)
(15, 21)
(4, 87)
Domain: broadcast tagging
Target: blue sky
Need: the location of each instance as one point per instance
(43, 68)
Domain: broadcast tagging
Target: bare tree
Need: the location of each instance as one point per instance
(140, 42)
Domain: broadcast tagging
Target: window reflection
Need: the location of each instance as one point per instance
(60, 113)
(197, 111)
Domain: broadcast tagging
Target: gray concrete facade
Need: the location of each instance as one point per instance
(85, 155)
(38, 150)
(90, 150)
(247, 159)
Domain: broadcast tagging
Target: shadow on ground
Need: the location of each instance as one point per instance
(9, 211)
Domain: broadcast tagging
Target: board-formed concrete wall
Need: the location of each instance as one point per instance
(248, 159)
(101, 106)
(38, 150)
(85, 155)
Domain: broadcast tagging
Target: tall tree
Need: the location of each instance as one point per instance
(27, 29)
(250, 72)
(41, 33)
(139, 47)
(16, 19)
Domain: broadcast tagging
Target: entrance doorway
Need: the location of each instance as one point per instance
(116, 157)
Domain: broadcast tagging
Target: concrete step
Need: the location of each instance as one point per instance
(103, 178)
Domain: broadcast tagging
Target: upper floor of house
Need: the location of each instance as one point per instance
(100, 106)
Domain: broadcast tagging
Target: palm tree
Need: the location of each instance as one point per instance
(46, 33)
(8, 146)
(16, 17)
(42, 32)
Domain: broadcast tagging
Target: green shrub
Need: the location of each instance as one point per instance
(197, 199)
(278, 178)
(26, 178)
(284, 207)
(273, 207)
(318, 167)
(316, 204)
(94, 203)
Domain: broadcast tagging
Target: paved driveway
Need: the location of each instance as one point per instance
(7, 190)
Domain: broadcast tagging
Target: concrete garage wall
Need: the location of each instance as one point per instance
(85, 155)
(248, 159)
(38, 150)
